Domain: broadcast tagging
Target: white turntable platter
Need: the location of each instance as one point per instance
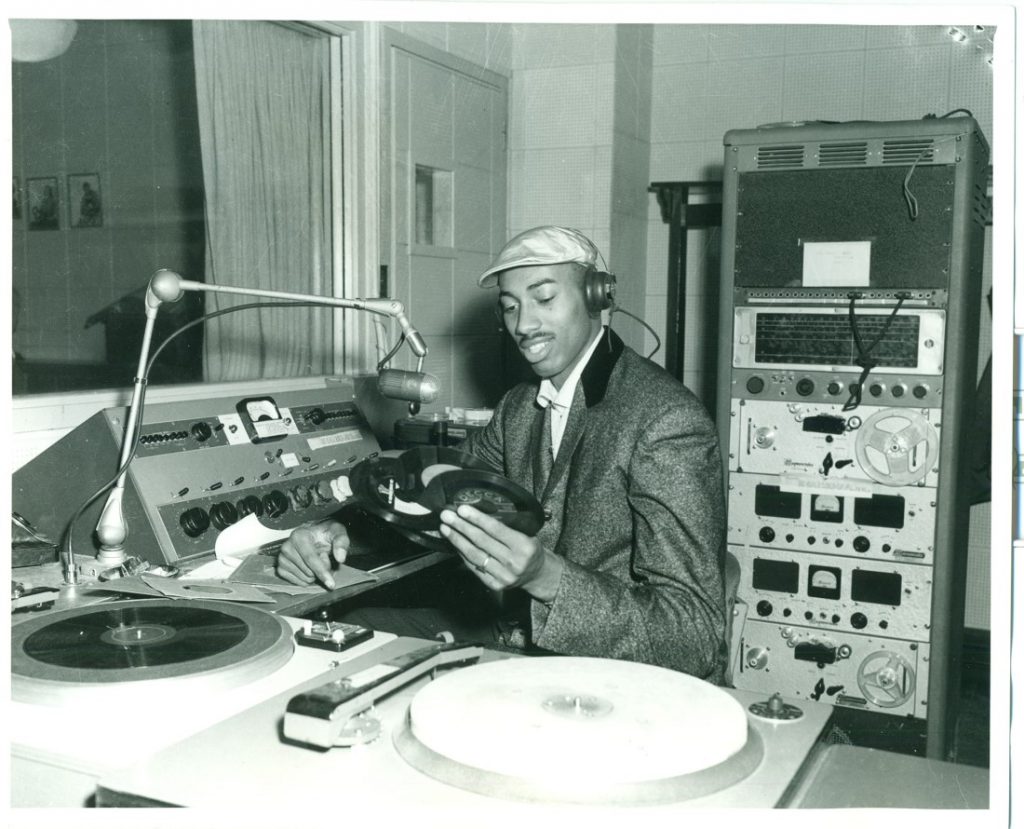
(578, 729)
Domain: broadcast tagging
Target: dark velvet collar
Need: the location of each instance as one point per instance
(599, 367)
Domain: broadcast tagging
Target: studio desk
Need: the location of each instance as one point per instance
(215, 740)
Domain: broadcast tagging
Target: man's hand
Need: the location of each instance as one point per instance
(306, 554)
(500, 556)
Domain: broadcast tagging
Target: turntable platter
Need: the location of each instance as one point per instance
(153, 645)
(575, 729)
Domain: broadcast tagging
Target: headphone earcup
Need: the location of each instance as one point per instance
(599, 289)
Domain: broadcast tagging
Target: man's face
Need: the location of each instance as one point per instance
(544, 310)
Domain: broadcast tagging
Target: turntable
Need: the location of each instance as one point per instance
(99, 688)
(504, 742)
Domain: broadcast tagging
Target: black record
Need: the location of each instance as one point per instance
(392, 488)
(488, 492)
(65, 656)
(135, 637)
(410, 490)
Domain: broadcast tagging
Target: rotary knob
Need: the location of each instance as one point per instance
(201, 431)
(275, 503)
(194, 522)
(859, 621)
(755, 384)
(248, 505)
(223, 514)
(301, 497)
(316, 416)
(804, 386)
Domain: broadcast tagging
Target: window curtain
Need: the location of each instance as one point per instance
(261, 91)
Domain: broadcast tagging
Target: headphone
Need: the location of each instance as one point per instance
(598, 290)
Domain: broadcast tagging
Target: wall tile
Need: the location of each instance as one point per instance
(730, 42)
(681, 96)
(679, 43)
(884, 37)
(833, 91)
(541, 45)
(825, 40)
(923, 88)
(743, 93)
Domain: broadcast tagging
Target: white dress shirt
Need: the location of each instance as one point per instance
(560, 400)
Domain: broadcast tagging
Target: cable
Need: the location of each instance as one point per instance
(909, 197)
(657, 339)
(864, 354)
(965, 111)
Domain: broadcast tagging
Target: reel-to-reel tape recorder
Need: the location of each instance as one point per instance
(848, 351)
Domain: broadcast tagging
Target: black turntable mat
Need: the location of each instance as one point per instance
(159, 640)
(135, 637)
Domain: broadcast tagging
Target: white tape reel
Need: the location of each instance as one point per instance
(886, 679)
(897, 447)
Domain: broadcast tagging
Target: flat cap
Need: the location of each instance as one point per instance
(545, 245)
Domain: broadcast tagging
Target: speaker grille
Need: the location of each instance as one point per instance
(780, 155)
(846, 154)
(908, 151)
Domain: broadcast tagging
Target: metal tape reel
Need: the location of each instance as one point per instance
(897, 447)
(886, 679)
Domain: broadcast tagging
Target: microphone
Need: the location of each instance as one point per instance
(415, 386)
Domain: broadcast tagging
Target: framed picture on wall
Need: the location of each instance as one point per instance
(43, 204)
(16, 208)
(84, 203)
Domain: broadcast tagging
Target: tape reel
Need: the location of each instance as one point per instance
(886, 679)
(410, 490)
(897, 447)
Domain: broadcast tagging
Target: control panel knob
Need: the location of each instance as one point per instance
(859, 621)
(223, 514)
(766, 534)
(316, 416)
(322, 492)
(920, 391)
(757, 659)
(248, 505)
(876, 389)
(861, 544)
(301, 497)
(194, 522)
(755, 384)
(764, 608)
(899, 390)
(275, 503)
(804, 386)
(201, 431)
(834, 387)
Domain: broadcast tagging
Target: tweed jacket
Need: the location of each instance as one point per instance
(635, 507)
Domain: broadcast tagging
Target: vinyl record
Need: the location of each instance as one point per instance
(97, 651)
(488, 492)
(135, 637)
(392, 488)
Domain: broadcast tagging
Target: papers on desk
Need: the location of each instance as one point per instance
(245, 537)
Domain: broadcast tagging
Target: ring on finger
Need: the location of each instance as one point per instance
(483, 567)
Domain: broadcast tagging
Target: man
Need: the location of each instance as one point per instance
(625, 462)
